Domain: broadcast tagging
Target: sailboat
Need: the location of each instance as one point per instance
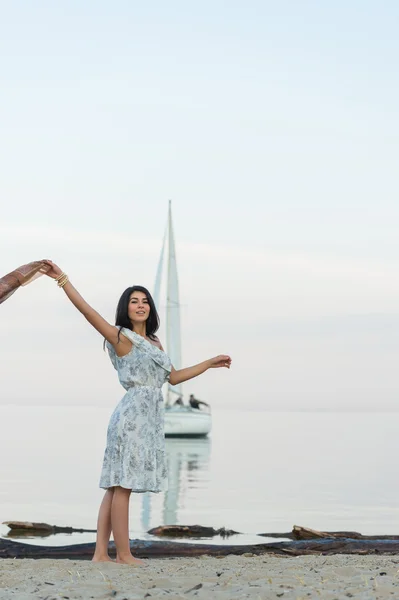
(181, 420)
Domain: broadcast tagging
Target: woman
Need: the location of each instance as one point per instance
(134, 459)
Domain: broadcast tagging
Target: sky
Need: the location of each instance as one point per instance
(272, 126)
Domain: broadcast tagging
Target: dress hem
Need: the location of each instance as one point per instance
(134, 490)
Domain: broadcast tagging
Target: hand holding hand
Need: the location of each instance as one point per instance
(223, 360)
(54, 270)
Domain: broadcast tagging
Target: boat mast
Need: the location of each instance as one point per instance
(173, 340)
(158, 279)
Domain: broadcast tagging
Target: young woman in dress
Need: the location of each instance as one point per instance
(134, 459)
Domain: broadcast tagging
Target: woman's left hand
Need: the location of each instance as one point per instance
(223, 360)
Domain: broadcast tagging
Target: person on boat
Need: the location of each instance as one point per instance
(179, 401)
(134, 458)
(195, 403)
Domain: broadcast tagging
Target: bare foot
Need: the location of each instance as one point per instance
(105, 558)
(130, 560)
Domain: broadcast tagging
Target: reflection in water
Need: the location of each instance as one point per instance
(187, 460)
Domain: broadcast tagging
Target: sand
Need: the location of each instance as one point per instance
(228, 578)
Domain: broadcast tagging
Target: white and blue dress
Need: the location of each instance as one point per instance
(135, 454)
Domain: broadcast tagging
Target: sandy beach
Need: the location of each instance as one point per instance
(326, 577)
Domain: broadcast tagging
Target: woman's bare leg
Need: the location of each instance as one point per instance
(120, 526)
(104, 528)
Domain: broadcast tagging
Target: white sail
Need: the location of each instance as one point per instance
(157, 286)
(173, 339)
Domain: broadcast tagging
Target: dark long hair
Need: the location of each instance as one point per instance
(122, 317)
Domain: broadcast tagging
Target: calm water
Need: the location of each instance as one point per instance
(258, 472)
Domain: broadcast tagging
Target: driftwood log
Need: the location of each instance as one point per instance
(28, 529)
(163, 549)
(190, 531)
(303, 533)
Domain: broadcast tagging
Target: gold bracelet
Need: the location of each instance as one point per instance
(61, 285)
(63, 278)
(60, 276)
(63, 281)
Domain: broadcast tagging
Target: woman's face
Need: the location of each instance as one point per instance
(139, 308)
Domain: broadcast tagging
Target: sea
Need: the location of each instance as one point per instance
(258, 472)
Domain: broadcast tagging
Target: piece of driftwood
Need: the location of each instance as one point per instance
(164, 549)
(304, 533)
(190, 531)
(26, 528)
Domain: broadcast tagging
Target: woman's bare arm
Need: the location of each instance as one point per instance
(181, 375)
(178, 376)
(108, 331)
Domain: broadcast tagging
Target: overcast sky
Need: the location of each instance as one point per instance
(273, 127)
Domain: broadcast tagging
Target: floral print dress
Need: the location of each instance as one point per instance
(135, 453)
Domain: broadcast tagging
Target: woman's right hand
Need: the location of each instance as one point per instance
(54, 270)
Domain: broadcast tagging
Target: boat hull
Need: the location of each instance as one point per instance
(187, 422)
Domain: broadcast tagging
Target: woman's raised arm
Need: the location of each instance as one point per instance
(110, 332)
